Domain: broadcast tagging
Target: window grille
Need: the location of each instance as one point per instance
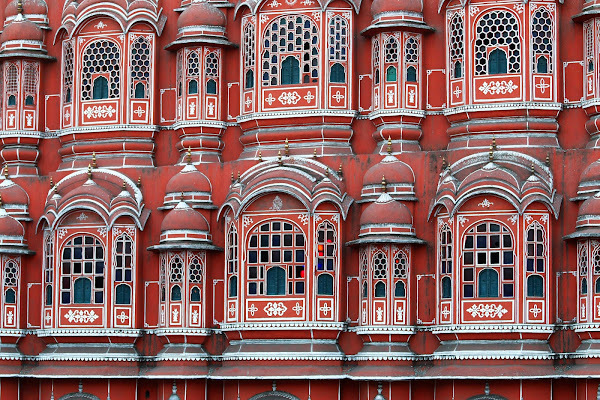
(211, 72)
(338, 39)
(249, 54)
(48, 266)
(140, 68)
(400, 265)
(542, 41)
(596, 260)
(30, 81)
(82, 271)
(101, 58)
(193, 72)
(12, 84)
(391, 50)
(176, 277)
(11, 281)
(379, 273)
(494, 30)
(535, 250)
(276, 244)
(457, 42)
(195, 270)
(123, 259)
(326, 247)
(582, 258)
(290, 35)
(588, 29)
(68, 72)
(376, 50)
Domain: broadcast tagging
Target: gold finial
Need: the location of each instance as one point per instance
(532, 168)
(260, 156)
(287, 147)
(89, 172)
(20, 7)
(188, 155)
(315, 153)
(1, 205)
(340, 172)
(389, 145)
(491, 152)
(124, 185)
(51, 183)
(139, 181)
(5, 171)
(94, 165)
(232, 178)
(547, 159)
(444, 163)
(279, 160)
(182, 196)
(327, 172)
(239, 175)
(384, 184)
(494, 143)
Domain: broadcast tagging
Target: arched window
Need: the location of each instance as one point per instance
(497, 44)
(67, 71)
(233, 286)
(193, 87)
(11, 281)
(82, 291)
(10, 297)
(140, 66)
(411, 74)
(195, 294)
(325, 285)
(542, 40)
(535, 286)
(365, 289)
(12, 100)
(584, 286)
(30, 83)
(176, 293)
(100, 90)
(400, 289)
(497, 64)
(535, 250)
(82, 260)
(446, 288)
(249, 54)
(48, 265)
(290, 71)
(276, 244)
(391, 74)
(275, 281)
(211, 86)
(12, 85)
(597, 286)
(488, 283)
(123, 294)
(338, 73)
(123, 260)
(457, 45)
(29, 101)
(487, 255)
(101, 57)
(375, 56)
(285, 37)
(380, 266)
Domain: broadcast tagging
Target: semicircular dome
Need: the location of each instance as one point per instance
(201, 13)
(382, 6)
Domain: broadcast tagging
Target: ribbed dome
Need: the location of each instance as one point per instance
(22, 29)
(394, 170)
(10, 226)
(386, 211)
(141, 4)
(189, 179)
(12, 193)
(381, 6)
(591, 206)
(182, 217)
(201, 13)
(38, 7)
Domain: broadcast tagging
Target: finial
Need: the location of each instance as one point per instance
(124, 185)
(80, 386)
(20, 7)
(340, 172)
(5, 171)
(384, 184)
(174, 387)
(279, 160)
(315, 153)
(182, 196)
(1, 205)
(89, 172)
(139, 181)
(491, 152)
(238, 178)
(389, 145)
(188, 155)
(444, 163)
(94, 165)
(51, 183)
(494, 143)
(547, 159)
(260, 156)
(287, 147)
(532, 168)
(327, 172)
(232, 178)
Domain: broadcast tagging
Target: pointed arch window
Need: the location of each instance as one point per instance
(232, 260)
(48, 267)
(290, 71)
(375, 56)
(141, 67)
(30, 83)
(211, 72)
(12, 85)
(325, 285)
(101, 59)
(248, 53)
(497, 43)
(497, 64)
(11, 280)
(67, 71)
(542, 40)
(338, 49)
(457, 39)
(380, 266)
(275, 281)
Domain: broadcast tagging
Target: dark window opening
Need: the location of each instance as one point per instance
(497, 62)
(338, 73)
(290, 71)
(100, 90)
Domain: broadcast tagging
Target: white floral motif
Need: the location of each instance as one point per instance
(379, 313)
(274, 309)
(99, 111)
(485, 203)
(246, 220)
(231, 309)
(519, 8)
(252, 309)
(461, 220)
(102, 231)
(270, 99)
(9, 317)
(81, 217)
(487, 311)
(274, 4)
(544, 218)
(335, 217)
(62, 233)
(304, 218)
(298, 308)
(513, 219)
(100, 25)
(400, 314)
(325, 309)
(535, 311)
(277, 204)
(85, 316)
(473, 10)
(498, 87)
(338, 96)
(309, 97)
(289, 98)
(122, 317)
(195, 317)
